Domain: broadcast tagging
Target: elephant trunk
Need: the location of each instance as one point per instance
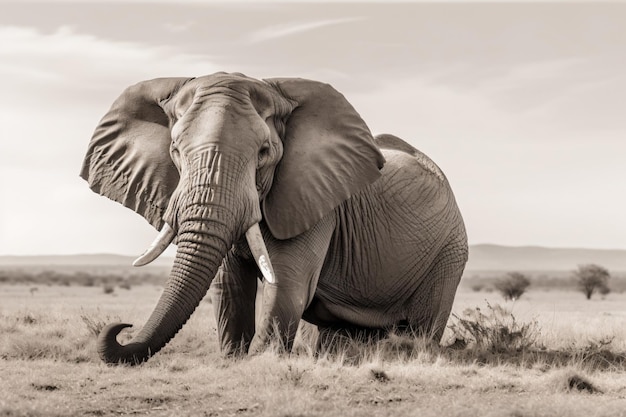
(194, 268)
(205, 234)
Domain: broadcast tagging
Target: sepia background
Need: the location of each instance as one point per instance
(521, 105)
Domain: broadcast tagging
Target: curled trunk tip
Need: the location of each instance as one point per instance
(111, 352)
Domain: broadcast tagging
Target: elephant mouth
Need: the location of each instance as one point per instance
(253, 237)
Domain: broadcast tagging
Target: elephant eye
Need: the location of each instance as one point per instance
(264, 153)
(175, 155)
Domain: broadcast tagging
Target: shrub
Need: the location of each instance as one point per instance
(94, 323)
(94, 326)
(108, 288)
(496, 330)
(477, 287)
(591, 278)
(513, 285)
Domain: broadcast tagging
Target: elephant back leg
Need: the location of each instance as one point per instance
(430, 308)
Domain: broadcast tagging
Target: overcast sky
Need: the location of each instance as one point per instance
(521, 105)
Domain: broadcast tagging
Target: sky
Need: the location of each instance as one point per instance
(521, 104)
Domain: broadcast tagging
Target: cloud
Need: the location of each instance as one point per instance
(49, 212)
(178, 27)
(281, 31)
(73, 60)
(557, 96)
(56, 85)
(526, 172)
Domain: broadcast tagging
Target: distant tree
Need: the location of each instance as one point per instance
(513, 285)
(591, 278)
(477, 287)
(125, 285)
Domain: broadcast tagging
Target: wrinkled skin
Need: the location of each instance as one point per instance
(363, 233)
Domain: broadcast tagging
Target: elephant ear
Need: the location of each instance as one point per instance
(329, 155)
(128, 158)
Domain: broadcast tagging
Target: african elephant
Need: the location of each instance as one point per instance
(278, 180)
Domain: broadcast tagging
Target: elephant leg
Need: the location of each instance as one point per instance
(234, 294)
(297, 265)
(431, 310)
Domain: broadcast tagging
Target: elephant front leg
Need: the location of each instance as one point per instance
(281, 311)
(234, 295)
(297, 265)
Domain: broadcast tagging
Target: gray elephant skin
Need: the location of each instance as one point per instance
(277, 181)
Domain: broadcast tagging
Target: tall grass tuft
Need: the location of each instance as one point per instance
(599, 354)
(578, 383)
(495, 330)
(572, 380)
(94, 323)
(34, 336)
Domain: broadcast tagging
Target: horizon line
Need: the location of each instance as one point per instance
(520, 246)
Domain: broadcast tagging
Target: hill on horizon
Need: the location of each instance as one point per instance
(488, 257)
(483, 257)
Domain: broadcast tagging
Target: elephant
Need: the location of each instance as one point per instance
(276, 182)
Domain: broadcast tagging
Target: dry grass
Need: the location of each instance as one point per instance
(50, 367)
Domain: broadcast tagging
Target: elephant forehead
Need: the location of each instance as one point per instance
(238, 88)
(235, 81)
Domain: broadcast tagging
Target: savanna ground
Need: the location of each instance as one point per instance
(563, 355)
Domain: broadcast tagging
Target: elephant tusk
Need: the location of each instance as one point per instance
(162, 241)
(259, 252)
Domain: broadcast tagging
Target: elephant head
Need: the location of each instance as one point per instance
(206, 159)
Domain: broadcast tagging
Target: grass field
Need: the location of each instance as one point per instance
(575, 367)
